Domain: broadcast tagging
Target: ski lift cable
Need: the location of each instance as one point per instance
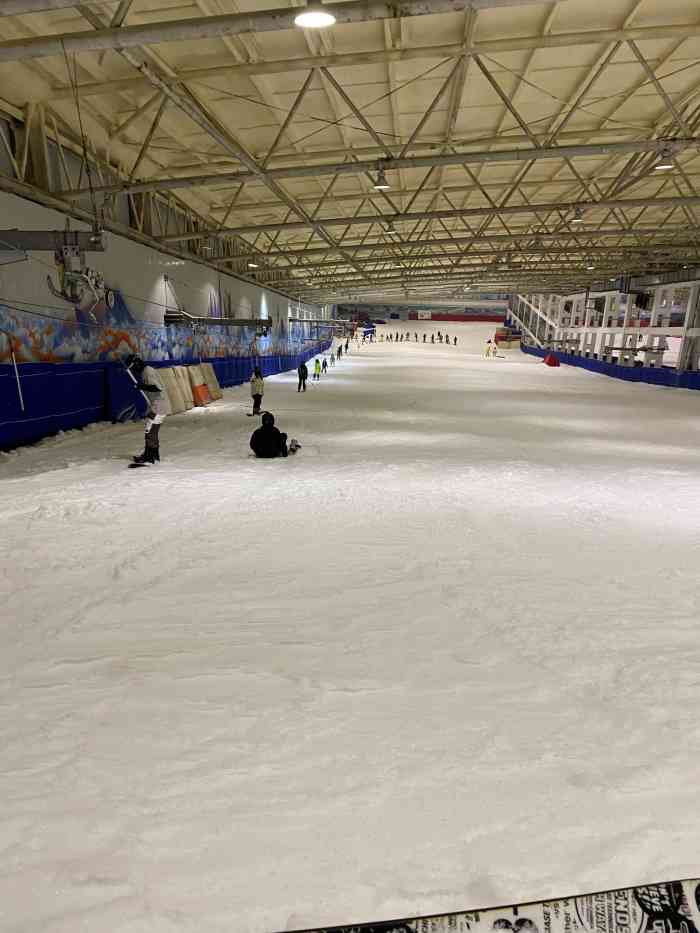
(73, 79)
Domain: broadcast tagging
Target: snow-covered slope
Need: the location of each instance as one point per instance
(446, 656)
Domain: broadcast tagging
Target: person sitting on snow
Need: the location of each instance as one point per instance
(268, 442)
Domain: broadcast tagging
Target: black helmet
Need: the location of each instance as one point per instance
(268, 419)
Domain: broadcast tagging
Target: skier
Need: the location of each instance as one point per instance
(487, 349)
(397, 336)
(332, 359)
(324, 367)
(340, 351)
(401, 340)
(455, 341)
(257, 389)
(416, 336)
(447, 339)
(347, 346)
(268, 442)
(424, 336)
(150, 383)
(432, 338)
(303, 373)
(317, 370)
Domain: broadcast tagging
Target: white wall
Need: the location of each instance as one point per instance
(137, 271)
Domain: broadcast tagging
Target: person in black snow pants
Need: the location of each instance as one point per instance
(303, 373)
(432, 338)
(347, 346)
(268, 442)
(424, 336)
(324, 366)
(340, 352)
(455, 341)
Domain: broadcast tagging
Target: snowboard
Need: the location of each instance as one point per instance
(671, 907)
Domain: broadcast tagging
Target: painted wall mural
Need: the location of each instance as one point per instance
(74, 307)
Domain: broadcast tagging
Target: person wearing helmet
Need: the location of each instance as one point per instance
(268, 442)
(148, 381)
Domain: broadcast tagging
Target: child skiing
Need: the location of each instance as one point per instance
(151, 385)
(317, 370)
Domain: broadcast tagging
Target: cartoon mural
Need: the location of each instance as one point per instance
(38, 338)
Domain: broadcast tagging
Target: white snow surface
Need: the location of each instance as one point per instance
(445, 657)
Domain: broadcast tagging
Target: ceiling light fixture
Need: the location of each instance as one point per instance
(381, 184)
(391, 229)
(253, 265)
(590, 268)
(314, 17)
(578, 216)
(665, 160)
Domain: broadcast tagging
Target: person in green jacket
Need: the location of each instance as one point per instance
(317, 370)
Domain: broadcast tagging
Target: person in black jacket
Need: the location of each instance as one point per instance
(303, 373)
(267, 442)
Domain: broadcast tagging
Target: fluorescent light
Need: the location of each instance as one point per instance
(665, 161)
(253, 265)
(314, 18)
(381, 184)
(590, 268)
(578, 216)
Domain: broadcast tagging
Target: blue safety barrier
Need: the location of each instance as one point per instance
(64, 396)
(659, 376)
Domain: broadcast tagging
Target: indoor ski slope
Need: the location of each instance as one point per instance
(447, 656)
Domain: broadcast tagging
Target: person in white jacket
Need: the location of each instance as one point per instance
(148, 381)
(257, 389)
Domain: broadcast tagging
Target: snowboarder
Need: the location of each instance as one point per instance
(324, 366)
(268, 442)
(257, 389)
(317, 370)
(150, 383)
(303, 373)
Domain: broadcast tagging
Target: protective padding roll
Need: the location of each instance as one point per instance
(172, 387)
(212, 381)
(185, 387)
(200, 389)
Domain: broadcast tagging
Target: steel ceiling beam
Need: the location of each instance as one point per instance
(230, 24)
(393, 164)
(305, 63)
(494, 254)
(498, 238)
(442, 214)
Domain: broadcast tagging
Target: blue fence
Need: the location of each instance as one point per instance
(660, 376)
(64, 396)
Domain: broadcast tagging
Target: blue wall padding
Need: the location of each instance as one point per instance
(64, 396)
(660, 376)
